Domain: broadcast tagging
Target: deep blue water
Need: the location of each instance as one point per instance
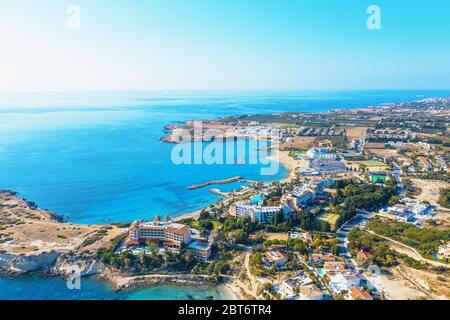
(96, 157)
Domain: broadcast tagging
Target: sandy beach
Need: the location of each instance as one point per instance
(288, 162)
(193, 215)
(232, 291)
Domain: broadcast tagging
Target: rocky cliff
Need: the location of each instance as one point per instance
(22, 263)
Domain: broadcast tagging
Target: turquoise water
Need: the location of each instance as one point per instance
(34, 287)
(107, 165)
(96, 157)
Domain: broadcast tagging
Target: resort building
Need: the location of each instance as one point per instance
(172, 235)
(242, 209)
(417, 207)
(328, 167)
(266, 214)
(305, 193)
(400, 213)
(274, 258)
(321, 154)
(258, 213)
(304, 197)
(307, 172)
(201, 250)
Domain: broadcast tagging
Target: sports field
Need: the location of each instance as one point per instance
(370, 163)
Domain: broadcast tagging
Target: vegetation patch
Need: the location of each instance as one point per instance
(424, 240)
(444, 198)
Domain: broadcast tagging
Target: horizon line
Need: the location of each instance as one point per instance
(219, 90)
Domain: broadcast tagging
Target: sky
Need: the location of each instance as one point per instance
(223, 45)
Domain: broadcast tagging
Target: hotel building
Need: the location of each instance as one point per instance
(172, 235)
(259, 213)
(305, 194)
(201, 250)
(321, 154)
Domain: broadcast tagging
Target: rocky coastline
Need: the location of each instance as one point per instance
(51, 259)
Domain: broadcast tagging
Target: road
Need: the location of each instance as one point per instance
(396, 174)
(359, 220)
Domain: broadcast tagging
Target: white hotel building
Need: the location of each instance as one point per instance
(321, 154)
(259, 213)
(305, 194)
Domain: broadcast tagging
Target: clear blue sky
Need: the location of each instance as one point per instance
(223, 44)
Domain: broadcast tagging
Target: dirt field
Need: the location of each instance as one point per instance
(374, 145)
(429, 283)
(354, 132)
(299, 143)
(394, 288)
(25, 229)
(381, 153)
(371, 166)
(430, 189)
(277, 236)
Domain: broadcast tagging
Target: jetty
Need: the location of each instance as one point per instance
(212, 182)
(219, 193)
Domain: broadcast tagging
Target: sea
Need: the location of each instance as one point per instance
(96, 157)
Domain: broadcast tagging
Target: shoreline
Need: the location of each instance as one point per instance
(282, 157)
(128, 283)
(225, 290)
(290, 164)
